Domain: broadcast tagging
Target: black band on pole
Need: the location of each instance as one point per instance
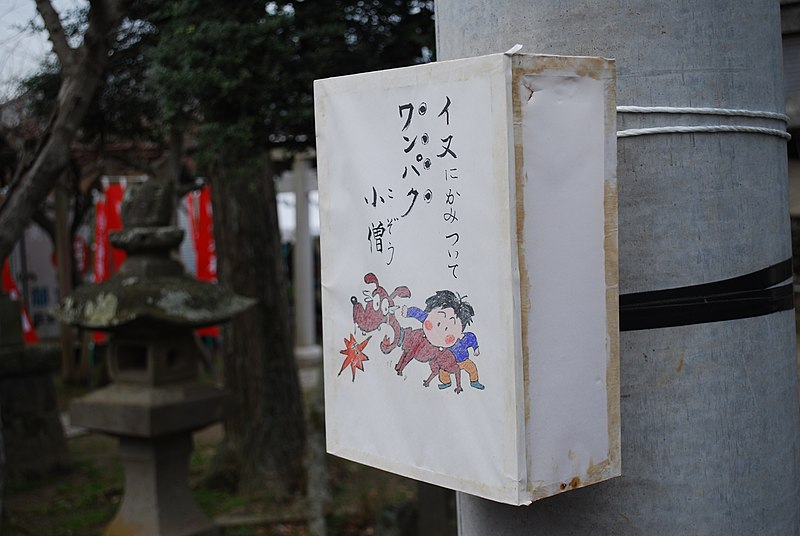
(745, 296)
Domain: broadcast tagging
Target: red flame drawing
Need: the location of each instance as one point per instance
(354, 355)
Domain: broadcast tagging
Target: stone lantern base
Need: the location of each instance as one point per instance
(154, 427)
(157, 500)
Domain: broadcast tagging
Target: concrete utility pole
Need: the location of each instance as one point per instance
(709, 408)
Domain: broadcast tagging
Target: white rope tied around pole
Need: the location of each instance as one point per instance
(682, 129)
(703, 111)
(710, 128)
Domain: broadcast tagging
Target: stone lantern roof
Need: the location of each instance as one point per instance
(151, 288)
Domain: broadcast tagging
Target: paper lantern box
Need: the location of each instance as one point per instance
(469, 272)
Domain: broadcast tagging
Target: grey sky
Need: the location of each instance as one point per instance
(21, 49)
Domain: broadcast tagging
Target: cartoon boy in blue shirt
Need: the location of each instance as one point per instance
(443, 322)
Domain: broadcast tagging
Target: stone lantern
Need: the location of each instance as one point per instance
(150, 308)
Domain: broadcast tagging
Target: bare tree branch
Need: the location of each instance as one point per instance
(78, 86)
(65, 53)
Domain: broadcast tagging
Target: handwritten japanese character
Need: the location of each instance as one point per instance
(375, 237)
(410, 108)
(446, 111)
(405, 171)
(450, 217)
(375, 197)
(446, 148)
(450, 198)
(453, 267)
(414, 193)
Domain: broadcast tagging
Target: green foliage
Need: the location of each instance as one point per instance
(338, 37)
(242, 72)
(82, 499)
(214, 501)
(125, 107)
(246, 70)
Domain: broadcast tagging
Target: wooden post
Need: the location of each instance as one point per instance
(63, 240)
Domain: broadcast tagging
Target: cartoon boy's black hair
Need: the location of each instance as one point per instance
(447, 299)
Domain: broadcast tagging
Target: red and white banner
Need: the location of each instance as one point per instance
(101, 245)
(107, 218)
(10, 288)
(114, 193)
(107, 259)
(198, 206)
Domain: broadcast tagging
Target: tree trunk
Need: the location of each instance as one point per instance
(266, 429)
